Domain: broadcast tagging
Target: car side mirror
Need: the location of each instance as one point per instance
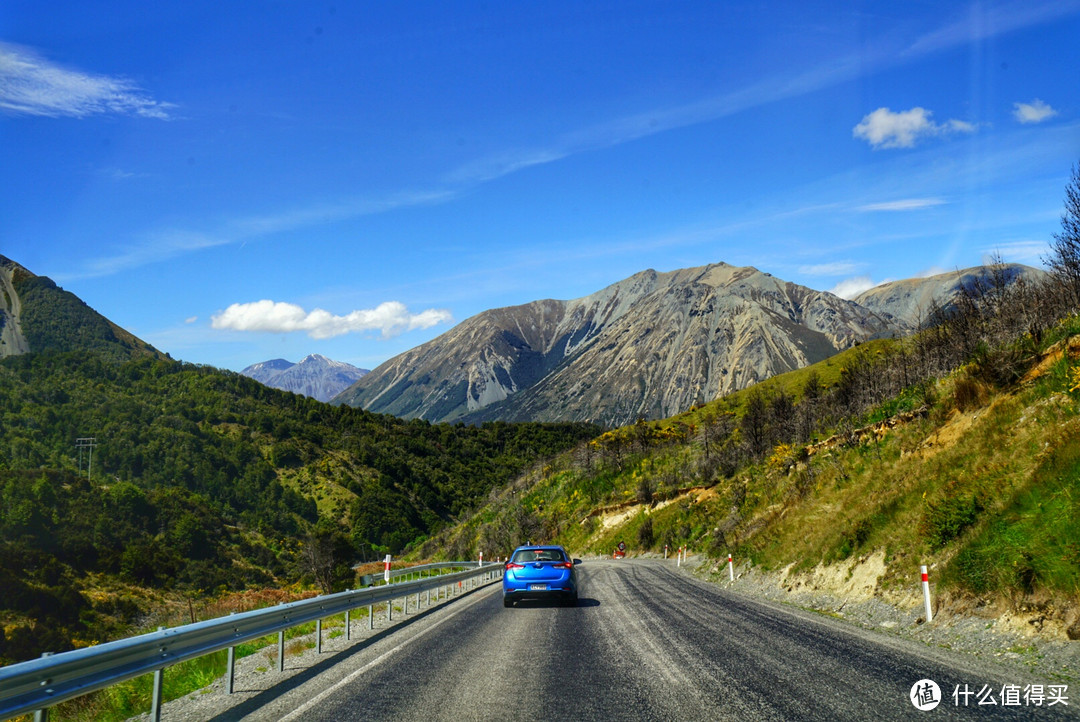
(576, 562)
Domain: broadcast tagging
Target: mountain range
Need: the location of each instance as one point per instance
(315, 376)
(648, 346)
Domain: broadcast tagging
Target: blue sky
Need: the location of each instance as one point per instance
(235, 182)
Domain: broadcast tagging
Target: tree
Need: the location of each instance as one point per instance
(1064, 258)
(755, 424)
(715, 428)
(325, 555)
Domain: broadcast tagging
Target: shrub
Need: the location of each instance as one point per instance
(645, 533)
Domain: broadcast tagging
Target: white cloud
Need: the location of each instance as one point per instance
(852, 287)
(906, 204)
(159, 246)
(169, 243)
(191, 319)
(1029, 252)
(885, 129)
(931, 271)
(1034, 112)
(390, 318)
(983, 21)
(31, 85)
(838, 268)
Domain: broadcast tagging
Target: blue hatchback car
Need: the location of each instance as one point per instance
(540, 572)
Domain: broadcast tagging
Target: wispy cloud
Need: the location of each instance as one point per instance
(984, 21)
(1034, 112)
(839, 268)
(633, 127)
(164, 245)
(255, 226)
(119, 174)
(906, 204)
(31, 85)
(1030, 252)
(390, 318)
(154, 248)
(885, 129)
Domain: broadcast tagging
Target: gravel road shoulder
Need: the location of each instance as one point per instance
(986, 638)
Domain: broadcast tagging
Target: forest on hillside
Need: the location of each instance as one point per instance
(203, 480)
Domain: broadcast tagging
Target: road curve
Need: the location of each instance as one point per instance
(646, 642)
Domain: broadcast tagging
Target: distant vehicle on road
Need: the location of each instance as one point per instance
(540, 572)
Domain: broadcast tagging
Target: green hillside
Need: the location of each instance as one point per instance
(204, 481)
(955, 447)
(57, 320)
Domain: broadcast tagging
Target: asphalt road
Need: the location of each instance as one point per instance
(645, 642)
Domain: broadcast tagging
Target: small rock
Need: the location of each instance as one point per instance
(1073, 632)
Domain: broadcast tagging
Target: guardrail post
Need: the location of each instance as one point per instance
(318, 636)
(42, 715)
(159, 685)
(230, 671)
(281, 651)
(155, 700)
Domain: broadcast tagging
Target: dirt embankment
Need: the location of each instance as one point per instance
(12, 341)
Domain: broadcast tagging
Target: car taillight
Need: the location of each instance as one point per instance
(565, 565)
(511, 565)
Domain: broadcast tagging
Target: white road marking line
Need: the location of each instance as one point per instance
(296, 713)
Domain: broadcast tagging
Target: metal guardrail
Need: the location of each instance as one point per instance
(378, 577)
(41, 683)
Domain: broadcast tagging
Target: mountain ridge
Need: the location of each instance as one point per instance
(911, 300)
(714, 329)
(37, 315)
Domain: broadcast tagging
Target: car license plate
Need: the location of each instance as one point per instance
(538, 587)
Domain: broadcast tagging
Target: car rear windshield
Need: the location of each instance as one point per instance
(539, 555)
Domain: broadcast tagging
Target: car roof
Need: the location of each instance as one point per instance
(540, 546)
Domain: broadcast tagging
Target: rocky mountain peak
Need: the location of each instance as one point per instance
(649, 345)
(316, 375)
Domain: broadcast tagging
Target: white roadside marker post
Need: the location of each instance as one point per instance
(730, 568)
(926, 593)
